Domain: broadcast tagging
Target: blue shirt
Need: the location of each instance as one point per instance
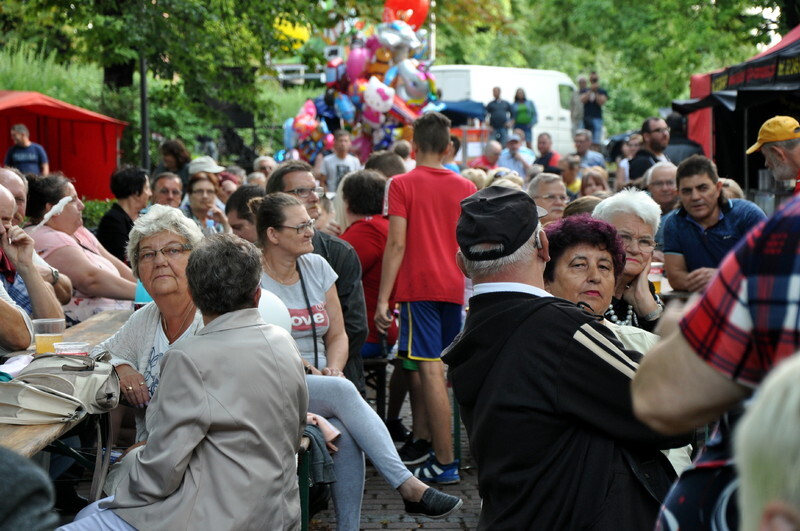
(26, 159)
(592, 158)
(706, 247)
(507, 160)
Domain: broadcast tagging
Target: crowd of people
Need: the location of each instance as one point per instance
(567, 348)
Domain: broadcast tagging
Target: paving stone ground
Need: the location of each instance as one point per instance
(382, 507)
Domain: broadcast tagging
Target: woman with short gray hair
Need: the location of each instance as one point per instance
(158, 248)
(636, 217)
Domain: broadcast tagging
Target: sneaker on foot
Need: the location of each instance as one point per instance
(396, 429)
(434, 504)
(432, 471)
(414, 452)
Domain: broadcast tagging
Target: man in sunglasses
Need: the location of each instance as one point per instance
(655, 135)
(295, 177)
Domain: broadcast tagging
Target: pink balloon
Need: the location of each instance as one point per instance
(357, 62)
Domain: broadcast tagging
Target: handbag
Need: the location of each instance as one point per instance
(59, 388)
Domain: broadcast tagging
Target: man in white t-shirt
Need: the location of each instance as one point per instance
(339, 163)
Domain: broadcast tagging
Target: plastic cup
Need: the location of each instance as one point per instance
(47, 332)
(656, 275)
(73, 348)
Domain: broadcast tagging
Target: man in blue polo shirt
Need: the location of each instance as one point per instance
(705, 227)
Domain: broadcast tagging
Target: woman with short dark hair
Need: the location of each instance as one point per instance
(131, 187)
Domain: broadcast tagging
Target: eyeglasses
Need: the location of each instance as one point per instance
(552, 197)
(200, 191)
(170, 252)
(662, 130)
(645, 244)
(303, 192)
(302, 227)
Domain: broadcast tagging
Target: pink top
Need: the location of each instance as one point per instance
(82, 306)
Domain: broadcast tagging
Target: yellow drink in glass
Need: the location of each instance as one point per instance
(44, 342)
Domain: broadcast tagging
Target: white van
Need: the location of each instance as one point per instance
(549, 90)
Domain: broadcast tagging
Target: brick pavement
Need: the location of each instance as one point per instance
(382, 507)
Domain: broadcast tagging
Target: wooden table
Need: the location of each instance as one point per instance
(28, 440)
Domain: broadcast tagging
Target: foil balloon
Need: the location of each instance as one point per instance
(413, 12)
(413, 86)
(398, 37)
(305, 122)
(357, 62)
(378, 95)
(345, 108)
(335, 74)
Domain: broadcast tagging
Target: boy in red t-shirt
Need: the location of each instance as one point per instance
(423, 207)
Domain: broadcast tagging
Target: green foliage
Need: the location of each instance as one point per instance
(94, 210)
(79, 84)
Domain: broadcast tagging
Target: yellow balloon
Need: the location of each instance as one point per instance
(297, 32)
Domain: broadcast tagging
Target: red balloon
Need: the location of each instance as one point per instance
(413, 12)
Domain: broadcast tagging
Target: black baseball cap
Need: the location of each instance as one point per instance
(496, 215)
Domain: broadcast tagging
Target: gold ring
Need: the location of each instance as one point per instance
(129, 388)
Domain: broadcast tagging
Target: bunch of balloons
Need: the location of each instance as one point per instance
(376, 91)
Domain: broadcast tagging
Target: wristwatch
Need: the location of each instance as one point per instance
(55, 273)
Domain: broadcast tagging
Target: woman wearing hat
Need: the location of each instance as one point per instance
(202, 192)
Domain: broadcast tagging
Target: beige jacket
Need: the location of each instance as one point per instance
(224, 425)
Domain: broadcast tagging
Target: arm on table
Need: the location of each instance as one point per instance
(89, 279)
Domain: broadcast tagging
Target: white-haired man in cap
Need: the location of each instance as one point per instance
(533, 368)
(779, 142)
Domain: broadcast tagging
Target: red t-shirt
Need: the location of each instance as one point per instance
(430, 201)
(368, 237)
(482, 162)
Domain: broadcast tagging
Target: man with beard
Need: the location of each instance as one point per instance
(655, 135)
(779, 142)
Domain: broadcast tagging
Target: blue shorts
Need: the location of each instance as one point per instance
(427, 328)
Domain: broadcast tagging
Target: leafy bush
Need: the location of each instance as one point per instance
(94, 210)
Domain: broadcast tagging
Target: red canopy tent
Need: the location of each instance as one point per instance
(82, 144)
(729, 105)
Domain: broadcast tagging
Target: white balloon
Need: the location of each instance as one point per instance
(274, 311)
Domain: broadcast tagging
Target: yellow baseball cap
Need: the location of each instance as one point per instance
(776, 129)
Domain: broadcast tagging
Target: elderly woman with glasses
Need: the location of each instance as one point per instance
(636, 217)
(158, 248)
(203, 189)
(305, 283)
(586, 259)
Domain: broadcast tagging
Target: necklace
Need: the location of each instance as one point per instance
(612, 316)
(271, 272)
(172, 337)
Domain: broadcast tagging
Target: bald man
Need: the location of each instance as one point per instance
(31, 288)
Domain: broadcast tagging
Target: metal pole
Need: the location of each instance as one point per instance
(144, 116)
(432, 37)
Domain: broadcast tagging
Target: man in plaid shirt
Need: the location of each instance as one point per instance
(746, 322)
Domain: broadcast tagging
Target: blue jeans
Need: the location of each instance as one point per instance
(595, 125)
(501, 135)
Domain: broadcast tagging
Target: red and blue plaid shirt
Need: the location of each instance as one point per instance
(749, 317)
